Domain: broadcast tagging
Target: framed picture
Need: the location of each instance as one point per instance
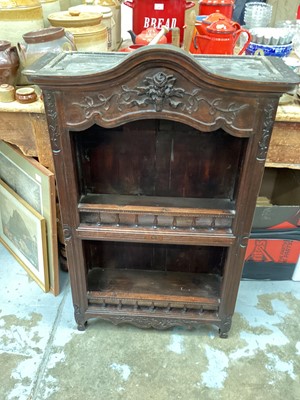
(36, 185)
(23, 233)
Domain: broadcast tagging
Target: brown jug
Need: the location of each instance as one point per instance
(40, 42)
(9, 63)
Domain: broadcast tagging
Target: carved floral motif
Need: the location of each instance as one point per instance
(263, 145)
(150, 322)
(52, 122)
(160, 92)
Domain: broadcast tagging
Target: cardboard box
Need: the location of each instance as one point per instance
(278, 205)
(273, 250)
(274, 245)
(273, 259)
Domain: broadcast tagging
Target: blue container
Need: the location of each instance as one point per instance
(282, 50)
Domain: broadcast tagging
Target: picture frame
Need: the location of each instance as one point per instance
(35, 184)
(23, 233)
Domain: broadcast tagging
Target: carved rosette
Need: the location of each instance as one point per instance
(244, 241)
(67, 232)
(52, 122)
(263, 145)
(159, 92)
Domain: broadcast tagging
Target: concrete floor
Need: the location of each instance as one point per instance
(43, 356)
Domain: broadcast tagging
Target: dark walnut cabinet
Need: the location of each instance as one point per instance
(159, 157)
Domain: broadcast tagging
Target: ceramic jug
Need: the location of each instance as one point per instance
(37, 43)
(9, 63)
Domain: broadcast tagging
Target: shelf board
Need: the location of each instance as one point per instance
(152, 235)
(156, 288)
(157, 205)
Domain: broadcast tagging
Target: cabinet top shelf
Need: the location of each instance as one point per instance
(247, 73)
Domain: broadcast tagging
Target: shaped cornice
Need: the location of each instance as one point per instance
(164, 94)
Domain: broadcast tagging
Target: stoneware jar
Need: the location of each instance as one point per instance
(7, 93)
(38, 43)
(26, 95)
(115, 7)
(49, 7)
(86, 27)
(107, 20)
(9, 63)
(15, 20)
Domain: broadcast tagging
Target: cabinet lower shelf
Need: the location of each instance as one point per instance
(153, 299)
(154, 290)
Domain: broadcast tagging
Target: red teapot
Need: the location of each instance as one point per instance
(220, 37)
(205, 22)
(146, 36)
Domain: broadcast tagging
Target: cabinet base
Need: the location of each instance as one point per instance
(159, 320)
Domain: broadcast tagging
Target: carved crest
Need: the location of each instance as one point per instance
(160, 92)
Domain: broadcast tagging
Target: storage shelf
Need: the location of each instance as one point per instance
(157, 204)
(153, 289)
(157, 174)
(154, 219)
(152, 235)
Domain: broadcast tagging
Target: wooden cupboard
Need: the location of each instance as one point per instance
(159, 157)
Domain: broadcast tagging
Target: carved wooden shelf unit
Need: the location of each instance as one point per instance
(159, 157)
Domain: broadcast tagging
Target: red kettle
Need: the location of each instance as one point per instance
(202, 25)
(220, 37)
(146, 36)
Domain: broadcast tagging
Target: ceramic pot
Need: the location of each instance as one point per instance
(115, 6)
(38, 43)
(7, 93)
(26, 95)
(88, 31)
(9, 63)
(49, 7)
(16, 21)
(107, 21)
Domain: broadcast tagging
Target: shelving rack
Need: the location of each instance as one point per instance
(159, 157)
